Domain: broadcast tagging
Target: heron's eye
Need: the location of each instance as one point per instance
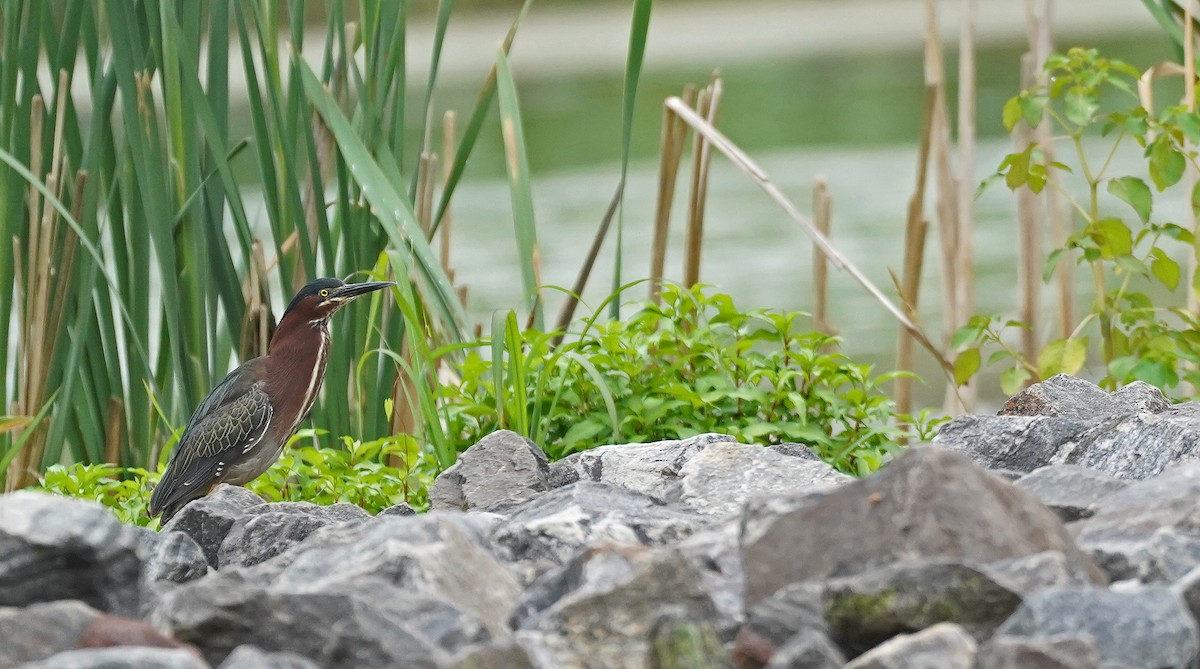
(324, 292)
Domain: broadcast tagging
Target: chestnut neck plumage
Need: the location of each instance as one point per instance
(296, 361)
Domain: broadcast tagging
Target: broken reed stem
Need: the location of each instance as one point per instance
(835, 257)
(674, 131)
(915, 229)
(449, 148)
(822, 208)
(1029, 231)
(965, 270)
(707, 106)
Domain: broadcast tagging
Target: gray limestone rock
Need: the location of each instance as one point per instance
(1147, 531)
(649, 468)
(1030, 573)
(500, 471)
(1063, 651)
(1132, 434)
(207, 520)
(942, 646)
(122, 658)
(1145, 627)
(867, 609)
(1070, 397)
(810, 649)
(928, 504)
(53, 548)
(552, 528)
(719, 480)
(252, 657)
(267, 530)
(1071, 491)
(41, 630)
(607, 603)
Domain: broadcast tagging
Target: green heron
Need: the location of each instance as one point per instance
(240, 429)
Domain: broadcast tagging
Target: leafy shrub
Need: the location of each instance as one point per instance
(1139, 326)
(693, 364)
(373, 475)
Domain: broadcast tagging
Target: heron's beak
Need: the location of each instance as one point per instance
(353, 290)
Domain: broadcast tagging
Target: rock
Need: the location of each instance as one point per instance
(372, 626)
(868, 609)
(39, 631)
(1071, 491)
(552, 528)
(719, 480)
(791, 612)
(122, 658)
(505, 653)
(686, 644)
(1131, 444)
(267, 530)
(1188, 589)
(794, 450)
(54, 548)
(1146, 627)
(401, 509)
(650, 468)
(715, 552)
(171, 558)
(809, 649)
(1147, 530)
(402, 590)
(1049, 569)
(928, 504)
(207, 520)
(943, 646)
(500, 471)
(1065, 651)
(252, 657)
(1017, 443)
(605, 604)
(1069, 397)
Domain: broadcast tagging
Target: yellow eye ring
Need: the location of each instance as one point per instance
(324, 292)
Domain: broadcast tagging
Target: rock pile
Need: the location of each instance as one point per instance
(1078, 550)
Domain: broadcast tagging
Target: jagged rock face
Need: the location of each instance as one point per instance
(929, 504)
(56, 548)
(994, 552)
(1133, 433)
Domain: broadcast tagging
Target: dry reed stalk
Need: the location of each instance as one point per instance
(822, 210)
(114, 430)
(743, 162)
(707, 106)
(425, 187)
(1189, 97)
(258, 323)
(915, 230)
(1030, 223)
(670, 156)
(572, 300)
(964, 266)
(449, 149)
(947, 192)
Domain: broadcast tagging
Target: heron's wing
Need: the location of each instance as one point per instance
(227, 424)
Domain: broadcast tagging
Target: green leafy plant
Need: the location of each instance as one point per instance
(374, 475)
(693, 364)
(1141, 329)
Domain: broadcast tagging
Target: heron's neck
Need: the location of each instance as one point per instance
(297, 357)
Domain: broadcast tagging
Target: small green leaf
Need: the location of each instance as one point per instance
(1012, 113)
(1114, 237)
(1196, 199)
(1189, 123)
(1166, 163)
(1080, 104)
(965, 365)
(1031, 108)
(1166, 270)
(1074, 355)
(1011, 380)
(1051, 264)
(1135, 192)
